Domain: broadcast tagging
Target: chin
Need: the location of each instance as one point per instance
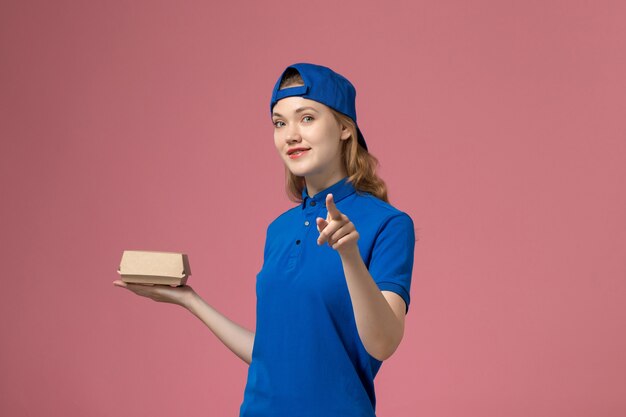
(299, 171)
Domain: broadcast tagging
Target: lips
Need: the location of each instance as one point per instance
(297, 151)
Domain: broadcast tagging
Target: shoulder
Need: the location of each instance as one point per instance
(285, 219)
(379, 213)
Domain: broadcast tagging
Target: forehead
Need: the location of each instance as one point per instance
(293, 103)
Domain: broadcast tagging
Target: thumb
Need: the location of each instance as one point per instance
(321, 224)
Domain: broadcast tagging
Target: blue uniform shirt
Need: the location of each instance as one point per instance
(308, 359)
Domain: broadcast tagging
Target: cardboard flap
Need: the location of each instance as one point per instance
(151, 263)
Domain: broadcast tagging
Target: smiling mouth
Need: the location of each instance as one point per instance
(298, 153)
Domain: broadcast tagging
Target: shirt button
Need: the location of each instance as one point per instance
(306, 223)
(298, 242)
(313, 203)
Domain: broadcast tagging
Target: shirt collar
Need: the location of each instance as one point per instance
(339, 190)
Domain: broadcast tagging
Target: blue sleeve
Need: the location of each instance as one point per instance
(267, 241)
(391, 264)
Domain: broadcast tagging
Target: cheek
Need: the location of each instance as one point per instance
(322, 136)
(331, 141)
(277, 142)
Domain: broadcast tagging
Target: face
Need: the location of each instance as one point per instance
(308, 139)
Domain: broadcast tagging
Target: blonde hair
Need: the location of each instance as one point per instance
(360, 165)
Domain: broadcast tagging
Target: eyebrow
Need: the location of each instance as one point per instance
(299, 110)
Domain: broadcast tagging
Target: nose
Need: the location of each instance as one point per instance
(292, 134)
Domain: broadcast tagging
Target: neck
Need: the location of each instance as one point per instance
(319, 182)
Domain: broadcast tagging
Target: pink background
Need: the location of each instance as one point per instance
(500, 127)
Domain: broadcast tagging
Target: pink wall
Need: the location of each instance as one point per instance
(500, 128)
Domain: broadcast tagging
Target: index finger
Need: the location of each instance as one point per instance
(332, 209)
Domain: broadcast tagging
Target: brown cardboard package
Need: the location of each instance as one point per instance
(151, 267)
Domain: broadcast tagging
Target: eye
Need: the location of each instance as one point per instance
(308, 117)
(276, 123)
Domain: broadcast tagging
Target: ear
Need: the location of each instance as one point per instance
(345, 132)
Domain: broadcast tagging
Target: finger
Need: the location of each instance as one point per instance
(332, 209)
(329, 230)
(344, 240)
(153, 291)
(119, 283)
(321, 224)
(138, 285)
(144, 290)
(341, 232)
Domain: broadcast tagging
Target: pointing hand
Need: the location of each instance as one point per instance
(337, 229)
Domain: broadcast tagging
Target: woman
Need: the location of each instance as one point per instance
(330, 303)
